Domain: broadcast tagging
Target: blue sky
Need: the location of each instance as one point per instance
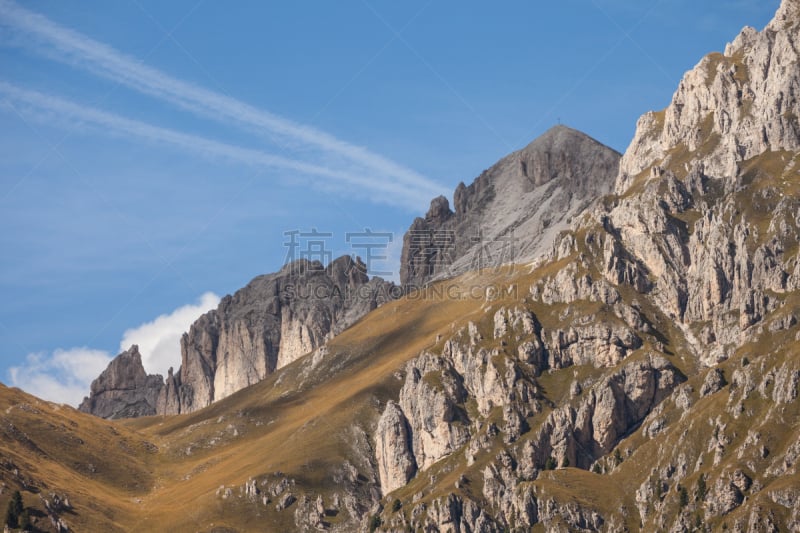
(153, 154)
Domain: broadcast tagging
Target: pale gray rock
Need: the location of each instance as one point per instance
(512, 211)
(606, 412)
(267, 325)
(597, 344)
(454, 513)
(285, 501)
(724, 497)
(713, 382)
(432, 400)
(396, 463)
(787, 381)
(123, 389)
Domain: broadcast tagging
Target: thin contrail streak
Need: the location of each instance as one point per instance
(64, 45)
(24, 100)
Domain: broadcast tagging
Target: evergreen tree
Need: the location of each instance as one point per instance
(617, 457)
(16, 501)
(14, 510)
(11, 516)
(375, 523)
(701, 488)
(683, 499)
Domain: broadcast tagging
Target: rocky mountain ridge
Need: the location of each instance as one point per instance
(731, 108)
(512, 211)
(643, 375)
(696, 257)
(264, 326)
(268, 324)
(124, 389)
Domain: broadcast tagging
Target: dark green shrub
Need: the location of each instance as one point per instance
(683, 497)
(701, 489)
(618, 457)
(374, 523)
(15, 510)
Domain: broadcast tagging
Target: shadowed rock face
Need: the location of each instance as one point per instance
(124, 390)
(512, 211)
(266, 325)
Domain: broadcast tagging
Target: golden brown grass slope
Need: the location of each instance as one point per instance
(163, 473)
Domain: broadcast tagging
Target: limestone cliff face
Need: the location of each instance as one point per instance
(124, 390)
(729, 109)
(707, 208)
(396, 463)
(512, 211)
(432, 422)
(653, 307)
(268, 324)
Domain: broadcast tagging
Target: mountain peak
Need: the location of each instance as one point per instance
(729, 109)
(439, 209)
(560, 130)
(788, 15)
(566, 140)
(511, 211)
(123, 389)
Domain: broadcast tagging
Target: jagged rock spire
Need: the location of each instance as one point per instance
(730, 108)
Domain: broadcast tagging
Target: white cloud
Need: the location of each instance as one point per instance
(62, 377)
(159, 340)
(66, 375)
(43, 36)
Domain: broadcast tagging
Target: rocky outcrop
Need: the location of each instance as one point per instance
(124, 390)
(512, 211)
(694, 260)
(266, 325)
(432, 421)
(730, 108)
(432, 400)
(396, 463)
(582, 433)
